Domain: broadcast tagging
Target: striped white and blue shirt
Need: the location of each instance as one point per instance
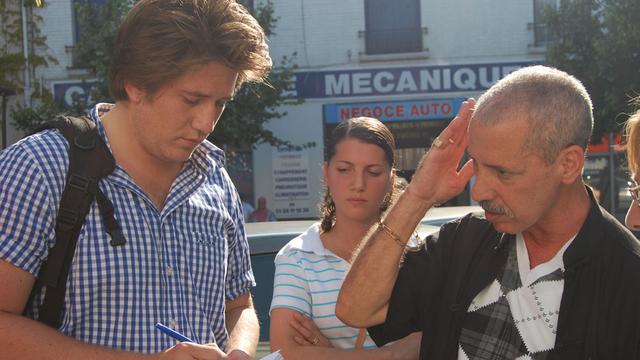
(179, 265)
(308, 278)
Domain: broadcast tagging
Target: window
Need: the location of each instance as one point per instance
(392, 27)
(541, 34)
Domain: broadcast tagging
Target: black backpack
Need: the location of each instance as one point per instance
(89, 161)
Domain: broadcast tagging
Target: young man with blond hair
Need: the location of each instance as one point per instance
(186, 261)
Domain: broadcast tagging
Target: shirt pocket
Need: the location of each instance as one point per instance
(205, 239)
(205, 249)
(204, 259)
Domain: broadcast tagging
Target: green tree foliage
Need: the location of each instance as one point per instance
(11, 57)
(242, 123)
(27, 119)
(98, 29)
(12, 62)
(598, 41)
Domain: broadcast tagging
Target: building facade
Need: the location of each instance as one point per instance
(409, 63)
(66, 78)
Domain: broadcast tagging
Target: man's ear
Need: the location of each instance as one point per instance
(134, 93)
(570, 163)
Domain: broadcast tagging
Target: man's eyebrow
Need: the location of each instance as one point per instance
(492, 166)
(498, 168)
(344, 161)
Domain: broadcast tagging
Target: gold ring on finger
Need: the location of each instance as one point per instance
(437, 143)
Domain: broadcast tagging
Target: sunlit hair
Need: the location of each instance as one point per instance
(555, 105)
(159, 40)
(367, 130)
(632, 132)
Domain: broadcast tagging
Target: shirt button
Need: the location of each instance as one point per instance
(173, 324)
(169, 271)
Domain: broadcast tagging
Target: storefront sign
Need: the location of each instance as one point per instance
(595, 164)
(65, 91)
(291, 191)
(394, 110)
(405, 80)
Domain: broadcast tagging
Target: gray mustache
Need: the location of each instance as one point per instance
(495, 208)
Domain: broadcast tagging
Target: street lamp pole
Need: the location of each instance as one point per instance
(25, 50)
(5, 92)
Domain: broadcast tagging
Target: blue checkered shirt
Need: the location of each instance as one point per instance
(179, 265)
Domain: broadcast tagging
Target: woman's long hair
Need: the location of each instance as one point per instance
(632, 132)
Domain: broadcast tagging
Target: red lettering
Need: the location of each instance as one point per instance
(344, 113)
(397, 111)
(388, 111)
(425, 109)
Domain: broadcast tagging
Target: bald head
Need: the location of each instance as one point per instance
(554, 104)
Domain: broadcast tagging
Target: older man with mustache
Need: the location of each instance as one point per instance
(546, 273)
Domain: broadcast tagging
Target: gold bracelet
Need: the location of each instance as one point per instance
(382, 226)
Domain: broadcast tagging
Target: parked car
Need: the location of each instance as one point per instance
(440, 215)
(267, 238)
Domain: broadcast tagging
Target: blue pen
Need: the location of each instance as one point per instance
(174, 334)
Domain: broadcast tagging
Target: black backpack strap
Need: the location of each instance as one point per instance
(89, 161)
(110, 224)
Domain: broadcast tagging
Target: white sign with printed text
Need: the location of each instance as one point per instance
(291, 190)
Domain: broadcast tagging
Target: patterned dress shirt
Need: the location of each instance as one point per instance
(179, 265)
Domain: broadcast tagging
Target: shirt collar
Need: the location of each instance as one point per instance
(592, 230)
(310, 242)
(529, 276)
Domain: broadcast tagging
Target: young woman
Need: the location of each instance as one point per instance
(359, 185)
(633, 158)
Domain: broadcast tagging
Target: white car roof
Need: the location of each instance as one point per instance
(269, 237)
